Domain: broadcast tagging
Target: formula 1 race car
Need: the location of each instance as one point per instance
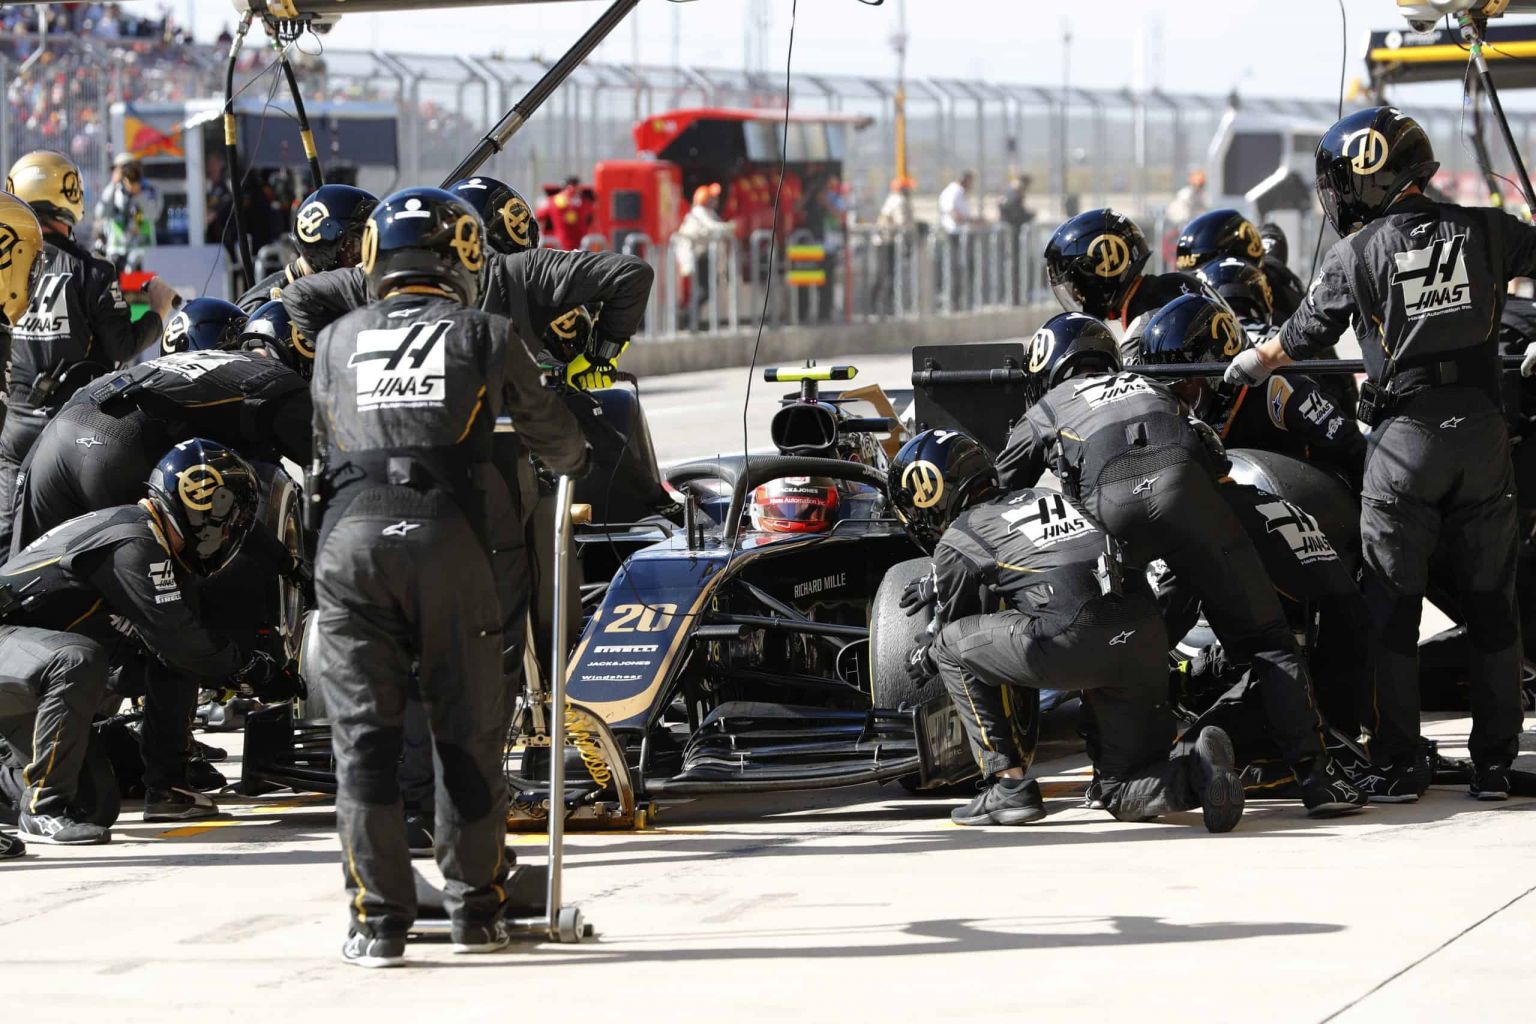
(724, 651)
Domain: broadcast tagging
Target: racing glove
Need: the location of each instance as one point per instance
(919, 594)
(1528, 364)
(585, 375)
(920, 665)
(1247, 369)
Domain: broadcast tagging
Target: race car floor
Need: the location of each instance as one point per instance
(861, 904)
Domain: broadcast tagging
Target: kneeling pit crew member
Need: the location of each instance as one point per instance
(1074, 621)
(409, 389)
(86, 596)
(1126, 448)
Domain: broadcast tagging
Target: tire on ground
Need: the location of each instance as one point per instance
(891, 632)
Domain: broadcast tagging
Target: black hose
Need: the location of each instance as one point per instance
(232, 155)
(307, 137)
(1472, 32)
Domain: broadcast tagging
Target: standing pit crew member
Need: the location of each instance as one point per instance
(1423, 284)
(408, 392)
(1125, 447)
(329, 232)
(78, 325)
(1073, 621)
(21, 263)
(103, 443)
(84, 598)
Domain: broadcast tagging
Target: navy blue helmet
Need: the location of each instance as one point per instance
(207, 496)
(203, 325)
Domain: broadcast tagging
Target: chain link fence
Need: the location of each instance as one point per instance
(1079, 147)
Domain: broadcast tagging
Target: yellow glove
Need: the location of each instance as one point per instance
(585, 375)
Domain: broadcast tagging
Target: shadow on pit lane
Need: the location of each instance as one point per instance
(952, 935)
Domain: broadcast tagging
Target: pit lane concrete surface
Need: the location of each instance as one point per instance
(862, 904)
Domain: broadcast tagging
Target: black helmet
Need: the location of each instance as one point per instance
(936, 476)
(272, 330)
(207, 495)
(1243, 286)
(1093, 259)
(1066, 345)
(1366, 160)
(1215, 234)
(330, 224)
(1191, 329)
(569, 334)
(510, 225)
(202, 325)
(1275, 244)
(424, 236)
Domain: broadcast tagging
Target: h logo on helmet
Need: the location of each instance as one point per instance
(9, 239)
(1225, 331)
(564, 325)
(197, 486)
(514, 217)
(466, 242)
(1111, 253)
(925, 482)
(70, 187)
(1040, 348)
(1367, 150)
(370, 247)
(175, 331)
(1249, 234)
(310, 220)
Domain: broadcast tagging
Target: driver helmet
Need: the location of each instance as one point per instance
(795, 504)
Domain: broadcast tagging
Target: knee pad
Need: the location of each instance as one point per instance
(1491, 624)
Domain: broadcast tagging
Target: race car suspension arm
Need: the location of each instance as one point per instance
(497, 138)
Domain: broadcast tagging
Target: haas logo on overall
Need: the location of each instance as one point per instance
(1299, 529)
(48, 315)
(1048, 521)
(401, 367)
(1433, 280)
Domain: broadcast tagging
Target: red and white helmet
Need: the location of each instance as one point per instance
(795, 504)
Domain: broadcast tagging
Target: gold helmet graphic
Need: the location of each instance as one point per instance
(21, 256)
(50, 183)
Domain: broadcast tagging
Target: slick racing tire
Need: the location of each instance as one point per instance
(311, 707)
(890, 639)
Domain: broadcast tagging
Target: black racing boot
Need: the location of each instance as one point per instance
(365, 951)
(482, 938)
(1395, 783)
(1325, 790)
(11, 847)
(178, 805)
(1490, 782)
(418, 833)
(1219, 785)
(1004, 802)
(60, 830)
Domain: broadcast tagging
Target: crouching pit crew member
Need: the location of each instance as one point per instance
(1423, 285)
(1125, 447)
(1074, 621)
(86, 596)
(409, 389)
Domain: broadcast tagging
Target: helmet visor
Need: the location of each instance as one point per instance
(217, 532)
(1067, 294)
(799, 508)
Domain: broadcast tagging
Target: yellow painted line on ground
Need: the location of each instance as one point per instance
(263, 812)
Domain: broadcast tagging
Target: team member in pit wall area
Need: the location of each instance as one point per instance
(1126, 448)
(1074, 621)
(83, 597)
(22, 257)
(1423, 285)
(329, 233)
(408, 393)
(78, 325)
